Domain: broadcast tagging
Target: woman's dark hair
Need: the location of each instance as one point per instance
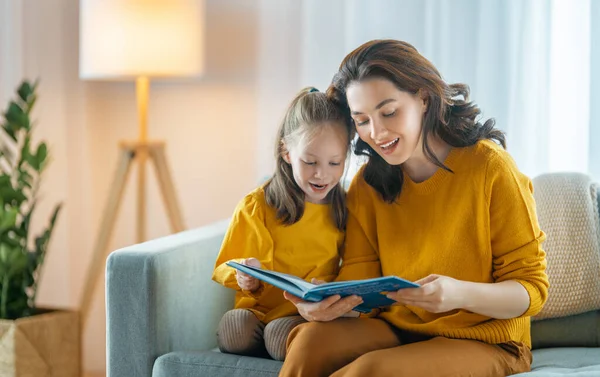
(449, 115)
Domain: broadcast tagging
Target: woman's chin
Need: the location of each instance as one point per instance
(394, 159)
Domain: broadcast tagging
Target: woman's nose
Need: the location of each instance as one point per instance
(378, 132)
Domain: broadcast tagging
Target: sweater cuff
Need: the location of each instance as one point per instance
(535, 299)
(372, 314)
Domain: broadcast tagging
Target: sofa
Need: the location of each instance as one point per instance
(163, 308)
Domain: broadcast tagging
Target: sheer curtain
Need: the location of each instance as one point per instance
(531, 65)
(11, 47)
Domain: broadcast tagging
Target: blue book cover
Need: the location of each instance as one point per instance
(372, 291)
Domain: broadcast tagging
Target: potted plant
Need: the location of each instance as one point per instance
(33, 341)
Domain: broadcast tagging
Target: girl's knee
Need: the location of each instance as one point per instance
(240, 332)
(276, 335)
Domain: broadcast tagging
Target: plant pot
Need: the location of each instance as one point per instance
(43, 345)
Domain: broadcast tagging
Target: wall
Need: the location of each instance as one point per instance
(206, 123)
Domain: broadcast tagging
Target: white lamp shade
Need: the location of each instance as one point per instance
(124, 39)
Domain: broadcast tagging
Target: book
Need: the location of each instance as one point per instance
(372, 291)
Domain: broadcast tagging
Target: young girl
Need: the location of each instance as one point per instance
(439, 202)
(293, 224)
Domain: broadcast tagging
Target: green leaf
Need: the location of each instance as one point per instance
(5, 180)
(25, 151)
(10, 130)
(41, 154)
(25, 91)
(17, 117)
(12, 197)
(8, 219)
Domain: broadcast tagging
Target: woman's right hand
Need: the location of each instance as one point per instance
(331, 308)
(245, 281)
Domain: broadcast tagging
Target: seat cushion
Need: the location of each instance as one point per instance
(556, 362)
(213, 364)
(550, 362)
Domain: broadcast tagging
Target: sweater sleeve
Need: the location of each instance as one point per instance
(247, 237)
(360, 260)
(515, 234)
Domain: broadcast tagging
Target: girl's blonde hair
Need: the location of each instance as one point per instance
(304, 118)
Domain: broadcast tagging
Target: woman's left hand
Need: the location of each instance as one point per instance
(436, 294)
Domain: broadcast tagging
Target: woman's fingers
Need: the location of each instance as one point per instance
(427, 279)
(293, 299)
(329, 309)
(346, 304)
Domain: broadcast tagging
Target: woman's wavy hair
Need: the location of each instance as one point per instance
(449, 115)
(306, 116)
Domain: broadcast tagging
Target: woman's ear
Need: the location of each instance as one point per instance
(424, 96)
(285, 154)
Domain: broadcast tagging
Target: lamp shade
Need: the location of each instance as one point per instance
(125, 39)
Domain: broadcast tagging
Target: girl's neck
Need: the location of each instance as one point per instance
(418, 167)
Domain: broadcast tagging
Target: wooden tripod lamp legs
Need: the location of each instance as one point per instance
(140, 152)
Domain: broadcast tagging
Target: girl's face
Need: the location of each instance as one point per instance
(318, 162)
(386, 118)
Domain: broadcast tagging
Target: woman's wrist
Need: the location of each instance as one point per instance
(503, 300)
(466, 296)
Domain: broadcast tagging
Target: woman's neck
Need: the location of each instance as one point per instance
(418, 167)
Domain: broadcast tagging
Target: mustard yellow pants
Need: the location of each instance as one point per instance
(352, 347)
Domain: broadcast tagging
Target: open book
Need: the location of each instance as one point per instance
(372, 291)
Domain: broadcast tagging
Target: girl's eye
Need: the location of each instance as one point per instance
(390, 114)
(334, 164)
(309, 163)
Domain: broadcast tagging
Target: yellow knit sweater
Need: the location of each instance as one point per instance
(476, 224)
(307, 249)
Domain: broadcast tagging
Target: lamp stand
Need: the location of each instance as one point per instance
(137, 151)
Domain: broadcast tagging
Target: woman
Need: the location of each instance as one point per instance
(439, 202)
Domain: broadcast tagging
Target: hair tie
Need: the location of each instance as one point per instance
(313, 90)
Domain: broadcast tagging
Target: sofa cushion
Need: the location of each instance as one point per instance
(567, 208)
(213, 364)
(557, 362)
(552, 362)
(581, 330)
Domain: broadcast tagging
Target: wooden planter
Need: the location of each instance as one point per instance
(43, 345)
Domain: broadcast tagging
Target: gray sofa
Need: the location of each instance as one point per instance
(163, 309)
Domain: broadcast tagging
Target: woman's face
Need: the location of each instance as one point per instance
(386, 118)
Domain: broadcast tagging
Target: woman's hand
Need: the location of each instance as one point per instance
(327, 310)
(437, 294)
(245, 281)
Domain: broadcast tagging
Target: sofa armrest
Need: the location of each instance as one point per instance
(160, 298)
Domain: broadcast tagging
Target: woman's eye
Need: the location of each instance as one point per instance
(390, 114)
(361, 123)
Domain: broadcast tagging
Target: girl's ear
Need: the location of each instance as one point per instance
(285, 154)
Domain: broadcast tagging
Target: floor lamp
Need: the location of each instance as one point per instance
(137, 40)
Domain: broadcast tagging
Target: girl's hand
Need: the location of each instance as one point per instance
(245, 281)
(327, 310)
(437, 294)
